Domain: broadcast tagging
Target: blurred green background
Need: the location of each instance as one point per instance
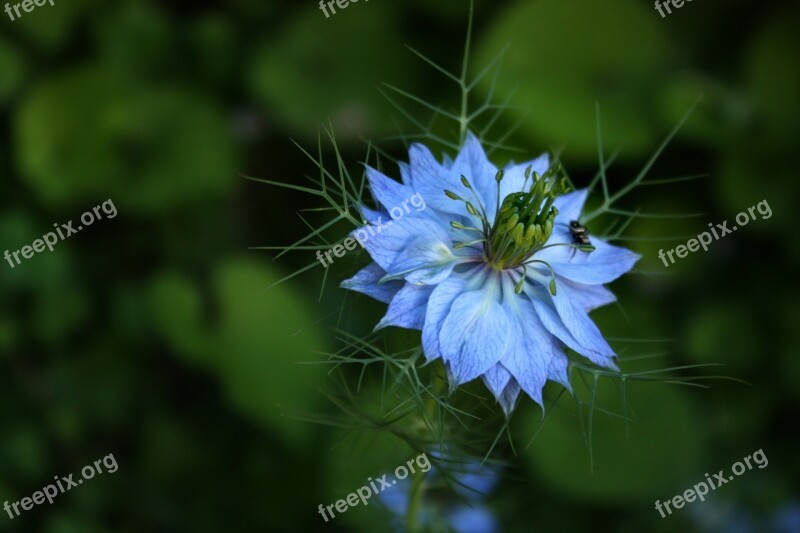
(153, 335)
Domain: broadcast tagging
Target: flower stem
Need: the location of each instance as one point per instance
(417, 489)
(415, 500)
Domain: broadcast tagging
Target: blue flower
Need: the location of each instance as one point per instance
(490, 271)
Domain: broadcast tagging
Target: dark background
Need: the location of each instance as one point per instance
(153, 336)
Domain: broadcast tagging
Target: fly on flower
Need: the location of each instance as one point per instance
(490, 272)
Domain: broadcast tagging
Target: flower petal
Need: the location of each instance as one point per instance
(605, 264)
(472, 163)
(591, 296)
(405, 172)
(474, 335)
(569, 323)
(439, 304)
(530, 350)
(496, 379)
(431, 179)
(366, 281)
(424, 261)
(387, 191)
(407, 309)
(373, 216)
(578, 322)
(570, 205)
(509, 398)
(559, 369)
(386, 239)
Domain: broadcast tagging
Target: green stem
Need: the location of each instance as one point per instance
(418, 484)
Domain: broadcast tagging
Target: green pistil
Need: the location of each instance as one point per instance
(525, 221)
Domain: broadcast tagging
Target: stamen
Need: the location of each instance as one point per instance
(520, 286)
(458, 225)
(461, 244)
(524, 221)
(552, 274)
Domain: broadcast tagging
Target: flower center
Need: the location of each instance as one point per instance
(522, 226)
(524, 222)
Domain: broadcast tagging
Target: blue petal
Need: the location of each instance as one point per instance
(605, 264)
(474, 335)
(472, 163)
(407, 309)
(530, 351)
(387, 191)
(372, 216)
(473, 520)
(431, 179)
(439, 304)
(577, 321)
(384, 242)
(592, 296)
(503, 387)
(574, 327)
(570, 205)
(496, 379)
(405, 172)
(366, 282)
(424, 261)
(509, 398)
(559, 369)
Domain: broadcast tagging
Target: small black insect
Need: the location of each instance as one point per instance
(580, 235)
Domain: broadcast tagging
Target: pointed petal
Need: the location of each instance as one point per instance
(407, 309)
(431, 179)
(372, 216)
(366, 281)
(424, 261)
(591, 296)
(386, 239)
(605, 264)
(472, 163)
(559, 369)
(405, 172)
(439, 304)
(387, 191)
(509, 398)
(582, 328)
(529, 354)
(496, 379)
(576, 324)
(570, 205)
(474, 335)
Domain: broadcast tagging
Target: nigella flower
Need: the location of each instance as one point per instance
(490, 271)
